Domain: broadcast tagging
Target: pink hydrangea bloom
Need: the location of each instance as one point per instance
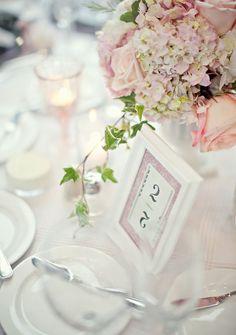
(165, 57)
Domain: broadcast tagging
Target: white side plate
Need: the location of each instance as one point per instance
(17, 226)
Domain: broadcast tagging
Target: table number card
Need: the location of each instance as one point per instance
(156, 194)
(150, 201)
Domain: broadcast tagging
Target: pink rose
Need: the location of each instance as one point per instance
(219, 13)
(217, 124)
(104, 52)
(126, 69)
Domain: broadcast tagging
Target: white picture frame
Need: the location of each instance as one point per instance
(155, 196)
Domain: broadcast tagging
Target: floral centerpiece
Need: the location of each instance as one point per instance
(167, 59)
(175, 59)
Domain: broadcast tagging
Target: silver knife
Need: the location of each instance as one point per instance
(5, 267)
(65, 273)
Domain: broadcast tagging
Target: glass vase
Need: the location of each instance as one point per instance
(178, 136)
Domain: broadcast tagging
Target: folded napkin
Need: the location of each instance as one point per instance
(212, 218)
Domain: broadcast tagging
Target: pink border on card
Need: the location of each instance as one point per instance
(148, 158)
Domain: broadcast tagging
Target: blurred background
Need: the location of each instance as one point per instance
(27, 25)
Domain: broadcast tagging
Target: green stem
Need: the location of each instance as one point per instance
(83, 163)
(96, 145)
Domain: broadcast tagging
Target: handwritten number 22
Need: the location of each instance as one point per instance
(156, 193)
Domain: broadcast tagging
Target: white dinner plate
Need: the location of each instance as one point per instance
(17, 226)
(22, 138)
(216, 320)
(24, 309)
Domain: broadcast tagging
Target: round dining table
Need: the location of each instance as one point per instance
(214, 210)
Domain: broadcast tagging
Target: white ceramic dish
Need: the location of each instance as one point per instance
(17, 226)
(28, 173)
(22, 138)
(216, 320)
(24, 309)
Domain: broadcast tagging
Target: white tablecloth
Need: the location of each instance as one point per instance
(209, 214)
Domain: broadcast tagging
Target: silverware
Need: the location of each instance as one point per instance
(208, 302)
(5, 267)
(65, 273)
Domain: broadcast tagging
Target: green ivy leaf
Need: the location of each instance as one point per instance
(128, 100)
(139, 109)
(135, 9)
(138, 126)
(130, 16)
(127, 17)
(113, 138)
(82, 212)
(70, 174)
(106, 174)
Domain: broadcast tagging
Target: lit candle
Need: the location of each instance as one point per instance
(63, 97)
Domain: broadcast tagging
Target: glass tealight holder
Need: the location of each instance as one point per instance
(90, 146)
(59, 80)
